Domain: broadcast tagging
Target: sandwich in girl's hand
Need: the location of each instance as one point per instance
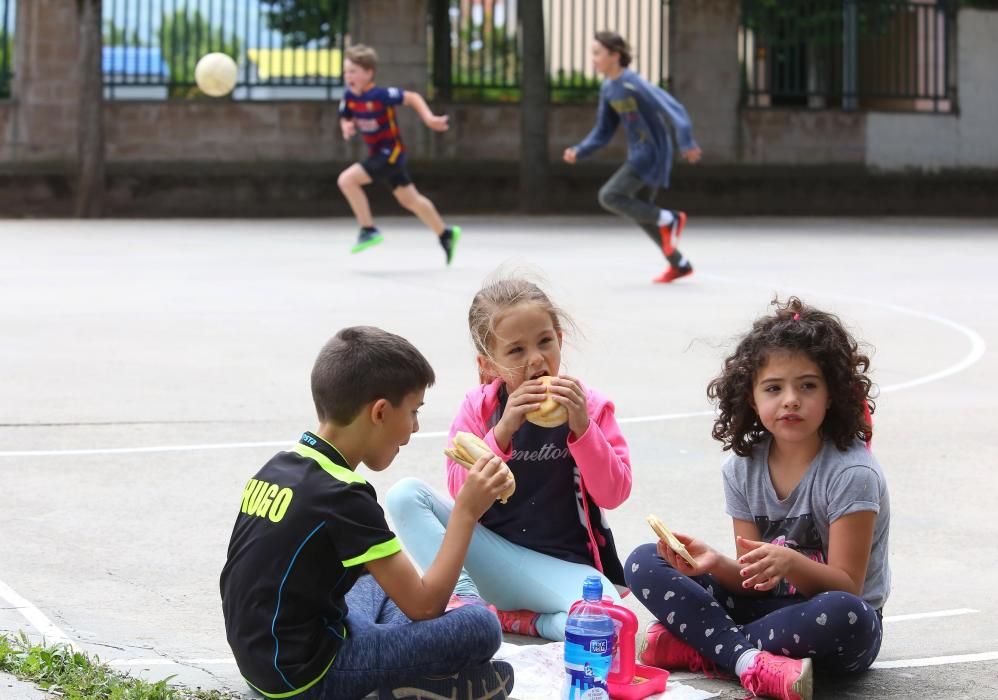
(551, 414)
(468, 449)
(666, 536)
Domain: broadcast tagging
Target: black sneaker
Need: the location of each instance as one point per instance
(492, 680)
(449, 239)
(368, 238)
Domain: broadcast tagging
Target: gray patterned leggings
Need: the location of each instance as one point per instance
(626, 194)
(839, 631)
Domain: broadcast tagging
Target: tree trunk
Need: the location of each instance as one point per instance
(90, 134)
(533, 109)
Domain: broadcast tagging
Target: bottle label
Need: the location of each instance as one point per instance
(587, 665)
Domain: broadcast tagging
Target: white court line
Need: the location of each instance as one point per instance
(938, 660)
(899, 663)
(977, 349)
(35, 617)
(277, 443)
(936, 613)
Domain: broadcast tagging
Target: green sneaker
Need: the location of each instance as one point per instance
(452, 234)
(367, 239)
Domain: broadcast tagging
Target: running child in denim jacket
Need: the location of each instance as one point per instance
(530, 556)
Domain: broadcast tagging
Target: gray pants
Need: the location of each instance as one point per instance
(383, 648)
(627, 195)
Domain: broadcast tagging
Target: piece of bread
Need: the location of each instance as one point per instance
(467, 449)
(675, 545)
(551, 414)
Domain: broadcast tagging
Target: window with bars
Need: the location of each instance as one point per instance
(849, 54)
(285, 49)
(476, 45)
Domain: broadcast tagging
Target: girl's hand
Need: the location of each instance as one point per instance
(569, 156)
(569, 393)
(764, 564)
(348, 128)
(526, 398)
(705, 555)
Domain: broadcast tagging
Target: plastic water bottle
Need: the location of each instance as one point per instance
(589, 637)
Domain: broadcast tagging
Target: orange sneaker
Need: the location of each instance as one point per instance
(664, 650)
(673, 273)
(772, 676)
(519, 622)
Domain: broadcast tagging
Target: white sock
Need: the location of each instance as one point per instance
(665, 217)
(745, 661)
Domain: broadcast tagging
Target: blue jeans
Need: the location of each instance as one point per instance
(383, 648)
(838, 630)
(507, 575)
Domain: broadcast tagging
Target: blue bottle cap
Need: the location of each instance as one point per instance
(592, 589)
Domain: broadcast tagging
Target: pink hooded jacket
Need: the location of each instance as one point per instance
(601, 454)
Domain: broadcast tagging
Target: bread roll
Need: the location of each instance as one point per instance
(675, 545)
(551, 414)
(467, 449)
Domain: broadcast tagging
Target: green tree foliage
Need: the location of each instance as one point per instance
(120, 36)
(301, 22)
(184, 38)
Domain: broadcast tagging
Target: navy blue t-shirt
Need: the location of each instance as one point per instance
(545, 512)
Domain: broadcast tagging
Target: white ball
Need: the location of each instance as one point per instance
(216, 74)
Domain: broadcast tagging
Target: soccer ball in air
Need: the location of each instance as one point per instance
(216, 74)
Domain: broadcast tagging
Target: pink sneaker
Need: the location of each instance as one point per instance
(663, 650)
(519, 622)
(459, 601)
(773, 676)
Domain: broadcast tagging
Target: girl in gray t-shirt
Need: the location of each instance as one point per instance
(811, 517)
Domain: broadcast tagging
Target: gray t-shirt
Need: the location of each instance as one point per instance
(837, 483)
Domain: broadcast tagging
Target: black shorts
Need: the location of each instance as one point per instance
(379, 169)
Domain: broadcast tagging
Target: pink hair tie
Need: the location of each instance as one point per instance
(797, 316)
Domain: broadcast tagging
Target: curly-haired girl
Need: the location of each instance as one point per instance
(811, 518)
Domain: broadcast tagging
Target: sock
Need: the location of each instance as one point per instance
(745, 661)
(665, 217)
(368, 229)
(677, 259)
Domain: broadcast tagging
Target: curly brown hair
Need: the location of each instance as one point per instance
(794, 327)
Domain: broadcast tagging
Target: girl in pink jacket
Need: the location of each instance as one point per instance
(529, 556)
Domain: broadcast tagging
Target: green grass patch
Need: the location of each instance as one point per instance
(75, 675)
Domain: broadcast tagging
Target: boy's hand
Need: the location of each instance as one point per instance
(569, 393)
(703, 553)
(692, 155)
(765, 564)
(527, 397)
(569, 156)
(348, 128)
(438, 122)
(487, 479)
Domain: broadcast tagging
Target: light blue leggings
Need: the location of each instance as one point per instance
(507, 575)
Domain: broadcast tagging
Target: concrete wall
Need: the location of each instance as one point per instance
(941, 141)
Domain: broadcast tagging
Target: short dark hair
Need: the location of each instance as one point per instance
(363, 55)
(794, 327)
(614, 43)
(362, 364)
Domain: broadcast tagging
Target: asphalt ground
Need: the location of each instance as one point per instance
(148, 368)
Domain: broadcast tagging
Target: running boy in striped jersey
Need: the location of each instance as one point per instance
(371, 110)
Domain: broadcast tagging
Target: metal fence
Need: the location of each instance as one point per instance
(284, 51)
(849, 54)
(7, 19)
(476, 47)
